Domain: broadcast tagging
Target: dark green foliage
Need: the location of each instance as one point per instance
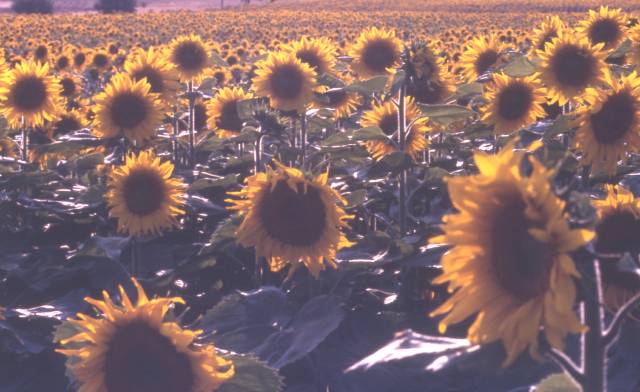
(32, 6)
(112, 6)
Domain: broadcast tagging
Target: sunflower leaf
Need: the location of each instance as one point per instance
(519, 67)
(391, 164)
(369, 86)
(446, 114)
(217, 60)
(251, 375)
(370, 133)
(559, 382)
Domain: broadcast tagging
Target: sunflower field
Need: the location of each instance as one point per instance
(322, 196)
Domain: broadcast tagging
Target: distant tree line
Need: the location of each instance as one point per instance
(46, 6)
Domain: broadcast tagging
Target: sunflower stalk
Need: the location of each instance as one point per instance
(402, 139)
(24, 148)
(257, 152)
(303, 138)
(612, 331)
(192, 95)
(176, 131)
(594, 348)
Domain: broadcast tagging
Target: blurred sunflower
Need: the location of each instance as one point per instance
(549, 29)
(9, 148)
(70, 85)
(66, 122)
(286, 81)
(569, 66)
(143, 196)
(510, 260)
(375, 52)
(28, 92)
(132, 347)
(610, 123)
(318, 53)
(190, 55)
(424, 63)
(385, 117)
(221, 75)
(79, 59)
(62, 62)
(605, 26)
(161, 75)
(513, 103)
(127, 108)
(100, 59)
(222, 111)
(291, 219)
(41, 53)
(342, 102)
(481, 54)
(431, 91)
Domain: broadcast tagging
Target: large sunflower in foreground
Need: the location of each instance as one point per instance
(133, 348)
(510, 260)
(513, 103)
(481, 54)
(222, 111)
(191, 57)
(288, 82)
(291, 219)
(127, 108)
(385, 116)
(28, 92)
(605, 26)
(549, 29)
(318, 53)
(610, 123)
(570, 65)
(161, 75)
(143, 196)
(375, 52)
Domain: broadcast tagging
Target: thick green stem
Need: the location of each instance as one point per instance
(594, 360)
(192, 123)
(257, 153)
(303, 138)
(402, 129)
(176, 132)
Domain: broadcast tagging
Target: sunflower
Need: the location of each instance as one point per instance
(143, 196)
(66, 122)
(28, 92)
(190, 55)
(605, 26)
(161, 75)
(9, 148)
(609, 123)
(291, 219)
(79, 59)
(70, 85)
(41, 53)
(135, 348)
(481, 54)
(318, 53)
(128, 108)
(509, 262)
(424, 63)
(549, 29)
(100, 60)
(288, 82)
(570, 65)
(431, 91)
(385, 117)
(513, 103)
(375, 52)
(62, 62)
(342, 102)
(221, 75)
(222, 111)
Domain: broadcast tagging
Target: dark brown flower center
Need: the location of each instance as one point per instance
(229, 118)
(389, 123)
(154, 78)
(615, 118)
(128, 110)
(41, 52)
(68, 87)
(79, 59)
(379, 55)
(617, 233)
(485, 60)
(604, 31)
(220, 77)
(514, 101)
(65, 125)
(287, 81)
(573, 66)
(29, 93)
(143, 192)
(141, 359)
(62, 62)
(100, 60)
(293, 218)
(190, 56)
(232, 60)
(312, 59)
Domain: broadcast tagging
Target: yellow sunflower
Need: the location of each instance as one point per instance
(28, 92)
(481, 54)
(609, 123)
(291, 219)
(143, 196)
(191, 57)
(605, 26)
(375, 52)
(570, 65)
(343, 103)
(385, 116)
(133, 347)
(222, 111)
(70, 85)
(513, 103)
(100, 60)
(549, 29)
(285, 80)
(318, 53)
(161, 75)
(510, 260)
(127, 108)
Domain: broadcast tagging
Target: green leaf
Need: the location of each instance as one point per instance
(356, 198)
(251, 375)
(370, 86)
(519, 67)
(469, 89)
(338, 139)
(217, 60)
(248, 135)
(624, 48)
(65, 146)
(559, 382)
(562, 123)
(447, 114)
(330, 80)
(370, 133)
(392, 164)
(88, 162)
(203, 184)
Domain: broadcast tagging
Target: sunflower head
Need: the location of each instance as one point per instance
(549, 29)
(79, 59)
(318, 53)
(285, 80)
(605, 26)
(143, 196)
(190, 55)
(70, 85)
(618, 224)
(424, 63)
(66, 122)
(375, 52)
(132, 347)
(291, 219)
(509, 261)
(222, 111)
(481, 55)
(100, 60)
(159, 73)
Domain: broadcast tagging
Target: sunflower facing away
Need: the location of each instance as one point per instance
(509, 262)
(190, 55)
(29, 92)
(161, 75)
(285, 80)
(222, 111)
(127, 108)
(610, 123)
(514, 103)
(385, 117)
(133, 348)
(549, 29)
(143, 196)
(605, 26)
(375, 52)
(318, 53)
(481, 54)
(291, 219)
(569, 66)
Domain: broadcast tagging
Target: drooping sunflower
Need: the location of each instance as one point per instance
(66, 122)
(609, 123)
(375, 52)
(570, 65)
(28, 92)
(161, 75)
(222, 111)
(385, 116)
(549, 28)
(481, 54)
(285, 80)
(509, 262)
(127, 108)
(143, 196)
(133, 347)
(513, 103)
(318, 53)
(291, 219)
(190, 55)
(605, 26)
